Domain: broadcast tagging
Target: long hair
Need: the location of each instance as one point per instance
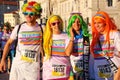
(47, 37)
(110, 26)
(83, 25)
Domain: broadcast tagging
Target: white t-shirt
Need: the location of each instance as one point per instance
(101, 65)
(58, 66)
(76, 57)
(27, 52)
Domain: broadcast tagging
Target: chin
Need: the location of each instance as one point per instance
(29, 21)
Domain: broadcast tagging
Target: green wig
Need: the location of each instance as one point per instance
(83, 25)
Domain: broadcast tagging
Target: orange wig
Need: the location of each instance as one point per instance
(110, 26)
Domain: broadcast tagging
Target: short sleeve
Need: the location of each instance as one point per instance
(117, 40)
(14, 33)
(67, 42)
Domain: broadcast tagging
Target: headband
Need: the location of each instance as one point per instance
(99, 16)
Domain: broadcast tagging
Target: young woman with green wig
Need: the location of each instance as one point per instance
(78, 29)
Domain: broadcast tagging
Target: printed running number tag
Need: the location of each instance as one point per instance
(104, 71)
(78, 65)
(29, 55)
(58, 70)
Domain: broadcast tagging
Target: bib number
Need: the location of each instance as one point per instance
(58, 70)
(78, 65)
(104, 71)
(29, 55)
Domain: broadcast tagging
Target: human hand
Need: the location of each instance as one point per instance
(72, 32)
(3, 66)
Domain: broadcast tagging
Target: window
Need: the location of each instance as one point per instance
(110, 3)
(25, 1)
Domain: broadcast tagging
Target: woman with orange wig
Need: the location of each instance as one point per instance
(105, 47)
(56, 64)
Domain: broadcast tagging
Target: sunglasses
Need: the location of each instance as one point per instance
(54, 23)
(29, 13)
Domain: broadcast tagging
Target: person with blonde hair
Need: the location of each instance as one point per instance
(26, 63)
(104, 47)
(57, 48)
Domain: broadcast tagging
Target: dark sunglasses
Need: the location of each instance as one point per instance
(29, 13)
(54, 23)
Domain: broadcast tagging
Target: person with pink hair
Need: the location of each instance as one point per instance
(26, 63)
(105, 48)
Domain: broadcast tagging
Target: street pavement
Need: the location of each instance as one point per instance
(4, 76)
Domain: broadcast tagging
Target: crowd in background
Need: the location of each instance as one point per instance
(5, 32)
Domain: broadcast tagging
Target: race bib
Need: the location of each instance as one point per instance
(104, 71)
(58, 70)
(78, 65)
(29, 55)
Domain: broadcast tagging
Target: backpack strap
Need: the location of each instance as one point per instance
(41, 31)
(86, 46)
(41, 28)
(16, 41)
(41, 63)
(42, 34)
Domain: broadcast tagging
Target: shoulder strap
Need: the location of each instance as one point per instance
(41, 63)
(42, 36)
(41, 28)
(113, 66)
(16, 41)
(86, 46)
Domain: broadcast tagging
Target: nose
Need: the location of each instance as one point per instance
(96, 25)
(57, 24)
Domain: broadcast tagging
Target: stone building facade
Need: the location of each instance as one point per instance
(87, 8)
(12, 18)
(7, 6)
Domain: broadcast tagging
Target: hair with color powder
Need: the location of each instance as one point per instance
(47, 37)
(33, 6)
(83, 25)
(110, 26)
